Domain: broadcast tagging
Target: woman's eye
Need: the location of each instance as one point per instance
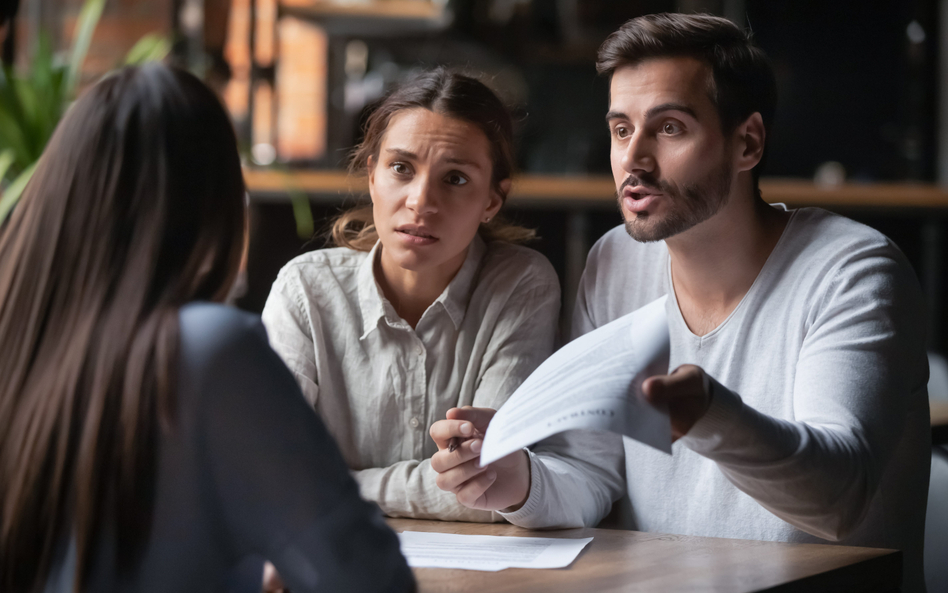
(400, 168)
(456, 179)
(670, 129)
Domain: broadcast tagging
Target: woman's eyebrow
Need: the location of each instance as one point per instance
(460, 161)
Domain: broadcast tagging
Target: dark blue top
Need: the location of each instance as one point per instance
(248, 468)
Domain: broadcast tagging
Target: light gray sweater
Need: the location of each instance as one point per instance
(818, 429)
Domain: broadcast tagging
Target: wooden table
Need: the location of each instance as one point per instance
(633, 561)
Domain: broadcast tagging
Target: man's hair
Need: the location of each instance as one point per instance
(742, 79)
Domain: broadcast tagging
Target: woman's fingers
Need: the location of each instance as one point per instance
(472, 493)
(479, 417)
(465, 466)
(443, 431)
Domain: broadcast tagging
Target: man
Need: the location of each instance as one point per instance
(798, 400)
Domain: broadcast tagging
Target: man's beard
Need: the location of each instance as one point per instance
(689, 205)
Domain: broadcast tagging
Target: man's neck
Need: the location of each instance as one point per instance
(412, 292)
(715, 263)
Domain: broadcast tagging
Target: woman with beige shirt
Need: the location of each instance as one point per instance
(427, 303)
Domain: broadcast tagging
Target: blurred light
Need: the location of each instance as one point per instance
(357, 59)
(830, 174)
(263, 154)
(915, 32)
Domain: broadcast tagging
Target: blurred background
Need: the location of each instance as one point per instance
(858, 128)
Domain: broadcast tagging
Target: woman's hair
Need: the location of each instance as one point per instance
(453, 95)
(136, 208)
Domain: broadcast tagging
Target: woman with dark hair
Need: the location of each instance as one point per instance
(147, 439)
(427, 304)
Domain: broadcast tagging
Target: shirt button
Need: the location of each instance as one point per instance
(414, 422)
(420, 349)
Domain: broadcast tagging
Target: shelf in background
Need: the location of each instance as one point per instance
(599, 191)
(373, 18)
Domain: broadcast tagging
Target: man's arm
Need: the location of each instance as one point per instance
(860, 382)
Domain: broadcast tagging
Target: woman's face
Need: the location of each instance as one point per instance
(431, 189)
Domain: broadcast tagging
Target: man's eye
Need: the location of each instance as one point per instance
(456, 179)
(670, 129)
(400, 168)
(621, 132)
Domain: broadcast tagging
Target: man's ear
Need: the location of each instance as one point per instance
(750, 142)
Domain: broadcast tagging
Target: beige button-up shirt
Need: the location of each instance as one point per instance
(379, 384)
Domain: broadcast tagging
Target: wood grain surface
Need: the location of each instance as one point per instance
(625, 561)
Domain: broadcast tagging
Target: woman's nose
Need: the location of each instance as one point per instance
(421, 197)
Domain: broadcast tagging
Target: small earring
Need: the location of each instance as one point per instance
(487, 219)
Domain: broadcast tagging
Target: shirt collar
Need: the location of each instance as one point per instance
(371, 302)
(457, 295)
(454, 299)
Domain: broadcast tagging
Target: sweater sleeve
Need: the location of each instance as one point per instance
(522, 339)
(575, 476)
(860, 380)
(276, 480)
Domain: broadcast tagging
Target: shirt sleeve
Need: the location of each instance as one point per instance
(278, 483)
(523, 338)
(575, 476)
(860, 384)
(290, 333)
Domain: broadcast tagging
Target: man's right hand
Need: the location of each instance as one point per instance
(501, 486)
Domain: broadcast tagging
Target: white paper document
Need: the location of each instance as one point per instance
(592, 383)
(487, 552)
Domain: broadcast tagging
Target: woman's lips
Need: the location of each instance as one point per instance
(415, 236)
(638, 202)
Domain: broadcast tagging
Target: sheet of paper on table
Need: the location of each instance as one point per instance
(487, 552)
(591, 383)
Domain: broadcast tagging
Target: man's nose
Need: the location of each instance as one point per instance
(639, 156)
(421, 196)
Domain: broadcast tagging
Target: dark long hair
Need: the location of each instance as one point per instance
(453, 95)
(136, 208)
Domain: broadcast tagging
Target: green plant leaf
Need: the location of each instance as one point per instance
(13, 191)
(6, 159)
(150, 48)
(85, 27)
(302, 213)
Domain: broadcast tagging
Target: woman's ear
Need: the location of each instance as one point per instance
(370, 168)
(497, 197)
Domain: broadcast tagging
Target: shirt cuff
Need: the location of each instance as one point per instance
(711, 429)
(532, 504)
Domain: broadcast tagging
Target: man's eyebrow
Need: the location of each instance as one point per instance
(670, 107)
(655, 111)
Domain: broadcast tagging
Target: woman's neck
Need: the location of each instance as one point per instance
(411, 292)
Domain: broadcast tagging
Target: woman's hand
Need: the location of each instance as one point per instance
(501, 486)
(272, 583)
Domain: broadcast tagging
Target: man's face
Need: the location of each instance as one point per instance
(671, 163)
